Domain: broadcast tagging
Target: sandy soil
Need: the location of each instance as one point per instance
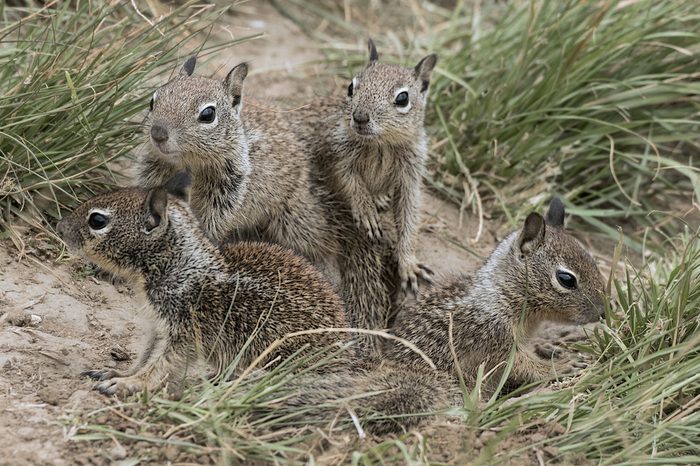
(58, 319)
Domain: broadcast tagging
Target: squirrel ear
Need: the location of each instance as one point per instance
(155, 208)
(424, 69)
(234, 82)
(179, 185)
(188, 68)
(532, 234)
(373, 55)
(555, 213)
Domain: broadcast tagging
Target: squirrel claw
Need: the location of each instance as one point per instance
(426, 273)
(120, 386)
(368, 218)
(101, 375)
(548, 350)
(410, 275)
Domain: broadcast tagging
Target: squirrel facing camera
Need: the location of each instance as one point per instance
(193, 116)
(389, 100)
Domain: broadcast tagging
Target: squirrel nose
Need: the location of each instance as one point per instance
(159, 134)
(361, 118)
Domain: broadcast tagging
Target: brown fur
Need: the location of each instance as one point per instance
(207, 302)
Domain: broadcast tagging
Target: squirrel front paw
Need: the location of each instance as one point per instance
(101, 374)
(367, 217)
(409, 273)
(120, 386)
(566, 361)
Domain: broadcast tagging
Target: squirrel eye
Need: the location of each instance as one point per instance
(350, 90)
(150, 104)
(207, 115)
(401, 99)
(97, 221)
(566, 279)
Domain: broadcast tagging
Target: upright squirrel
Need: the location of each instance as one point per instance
(207, 302)
(371, 147)
(535, 274)
(250, 174)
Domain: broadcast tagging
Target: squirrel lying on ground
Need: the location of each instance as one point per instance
(535, 274)
(207, 301)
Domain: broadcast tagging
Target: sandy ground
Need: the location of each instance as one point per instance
(82, 322)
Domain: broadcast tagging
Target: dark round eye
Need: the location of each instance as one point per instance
(97, 221)
(566, 279)
(350, 90)
(150, 104)
(401, 99)
(207, 115)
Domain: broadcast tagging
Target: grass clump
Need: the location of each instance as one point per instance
(594, 101)
(597, 102)
(74, 77)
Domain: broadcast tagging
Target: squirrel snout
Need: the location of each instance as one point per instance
(359, 117)
(66, 233)
(159, 134)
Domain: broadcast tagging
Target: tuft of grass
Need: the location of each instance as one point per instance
(597, 102)
(74, 78)
(594, 101)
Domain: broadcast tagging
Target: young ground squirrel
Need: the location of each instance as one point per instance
(372, 147)
(535, 274)
(208, 302)
(250, 175)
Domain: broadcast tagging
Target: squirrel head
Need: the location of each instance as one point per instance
(192, 120)
(387, 102)
(559, 277)
(122, 230)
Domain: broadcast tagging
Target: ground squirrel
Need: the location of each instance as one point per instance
(537, 273)
(207, 301)
(250, 174)
(372, 147)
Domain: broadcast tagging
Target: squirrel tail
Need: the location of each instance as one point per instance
(382, 400)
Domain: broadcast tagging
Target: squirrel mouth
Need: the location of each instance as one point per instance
(164, 151)
(364, 131)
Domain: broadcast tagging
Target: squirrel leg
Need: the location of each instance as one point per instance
(153, 172)
(163, 363)
(107, 374)
(529, 368)
(406, 208)
(364, 210)
(382, 203)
